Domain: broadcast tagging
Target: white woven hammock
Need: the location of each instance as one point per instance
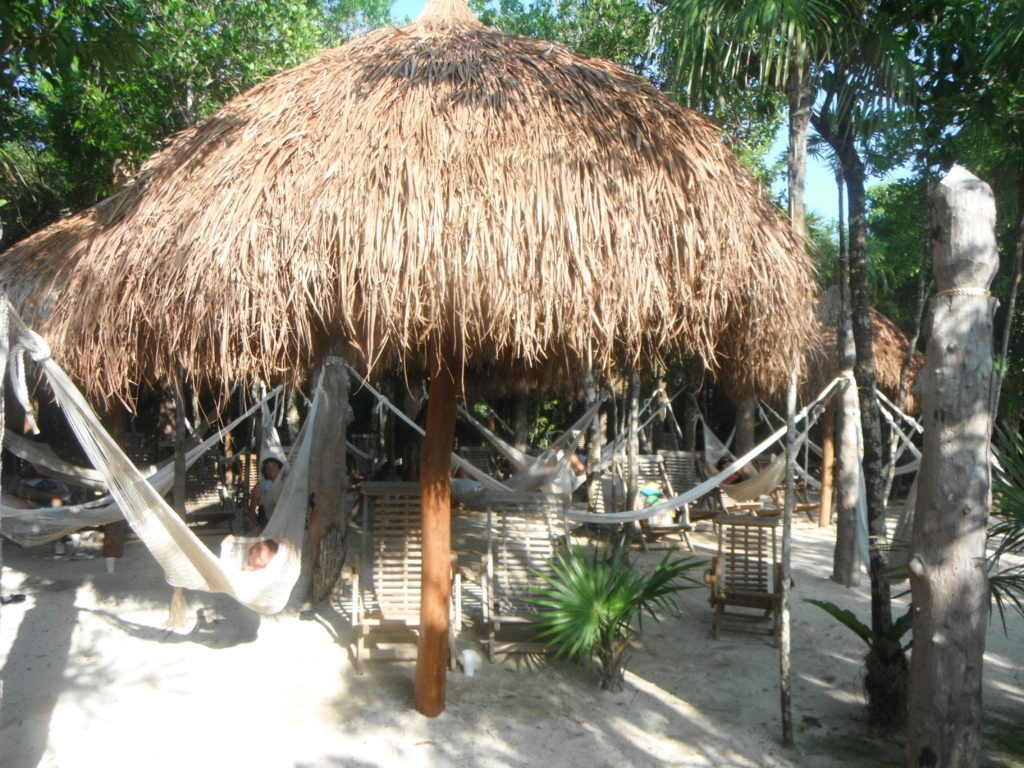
(29, 525)
(185, 560)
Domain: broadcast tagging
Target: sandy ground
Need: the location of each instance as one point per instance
(92, 678)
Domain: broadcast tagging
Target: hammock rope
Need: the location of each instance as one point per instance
(811, 412)
(184, 558)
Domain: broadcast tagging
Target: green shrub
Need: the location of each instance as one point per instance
(590, 603)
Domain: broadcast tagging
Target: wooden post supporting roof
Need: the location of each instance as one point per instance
(436, 589)
(947, 557)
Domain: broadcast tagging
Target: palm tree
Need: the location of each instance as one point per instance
(776, 46)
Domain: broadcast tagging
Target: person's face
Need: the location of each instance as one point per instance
(270, 469)
(260, 555)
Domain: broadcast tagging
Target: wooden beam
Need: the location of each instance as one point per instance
(436, 586)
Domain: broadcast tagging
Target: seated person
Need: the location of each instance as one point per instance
(568, 477)
(44, 491)
(269, 470)
(260, 554)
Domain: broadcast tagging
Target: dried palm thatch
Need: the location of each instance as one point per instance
(890, 345)
(435, 189)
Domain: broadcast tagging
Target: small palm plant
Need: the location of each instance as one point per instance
(886, 670)
(590, 602)
(1007, 532)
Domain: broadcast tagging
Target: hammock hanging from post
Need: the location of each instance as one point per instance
(30, 525)
(185, 560)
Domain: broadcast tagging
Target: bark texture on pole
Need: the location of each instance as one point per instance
(828, 456)
(787, 548)
(746, 421)
(947, 563)
(436, 585)
(328, 475)
(846, 562)
(595, 439)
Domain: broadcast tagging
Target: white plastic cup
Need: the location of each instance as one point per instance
(469, 662)
(111, 561)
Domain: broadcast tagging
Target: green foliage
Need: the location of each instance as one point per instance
(592, 606)
(888, 644)
(886, 671)
(1007, 532)
(618, 30)
(898, 247)
(93, 87)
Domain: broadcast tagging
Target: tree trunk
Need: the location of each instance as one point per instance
(746, 419)
(595, 440)
(115, 533)
(632, 440)
(846, 561)
(328, 475)
(947, 557)
(520, 420)
(800, 96)
(864, 373)
(436, 584)
(177, 615)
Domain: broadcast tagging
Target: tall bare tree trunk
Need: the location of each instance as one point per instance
(864, 373)
(436, 584)
(947, 557)
(328, 475)
(801, 98)
(595, 440)
(746, 419)
(177, 616)
(520, 419)
(846, 560)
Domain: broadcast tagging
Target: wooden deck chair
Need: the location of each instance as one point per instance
(522, 534)
(480, 456)
(205, 492)
(386, 578)
(651, 474)
(745, 574)
(685, 470)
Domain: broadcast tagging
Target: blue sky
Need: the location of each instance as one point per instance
(820, 196)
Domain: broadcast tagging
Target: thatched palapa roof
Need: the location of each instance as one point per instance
(438, 186)
(890, 346)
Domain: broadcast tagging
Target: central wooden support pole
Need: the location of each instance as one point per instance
(436, 585)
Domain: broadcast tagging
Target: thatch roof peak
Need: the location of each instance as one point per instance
(447, 13)
(408, 192)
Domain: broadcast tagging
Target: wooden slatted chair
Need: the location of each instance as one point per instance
(480, 456)
(522, 534)
(745, 574)
(205, 492)
(685, 470)
(651, 472)
(387, 576)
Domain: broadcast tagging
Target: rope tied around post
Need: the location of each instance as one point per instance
(964, 291)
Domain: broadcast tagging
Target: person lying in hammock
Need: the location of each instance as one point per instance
(724, 462)
(260, 554)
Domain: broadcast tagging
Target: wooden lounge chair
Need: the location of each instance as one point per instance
(745, 574)
(522, 534)
(479, 456)
(651, 472)
(685, 470)
(386, 578)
